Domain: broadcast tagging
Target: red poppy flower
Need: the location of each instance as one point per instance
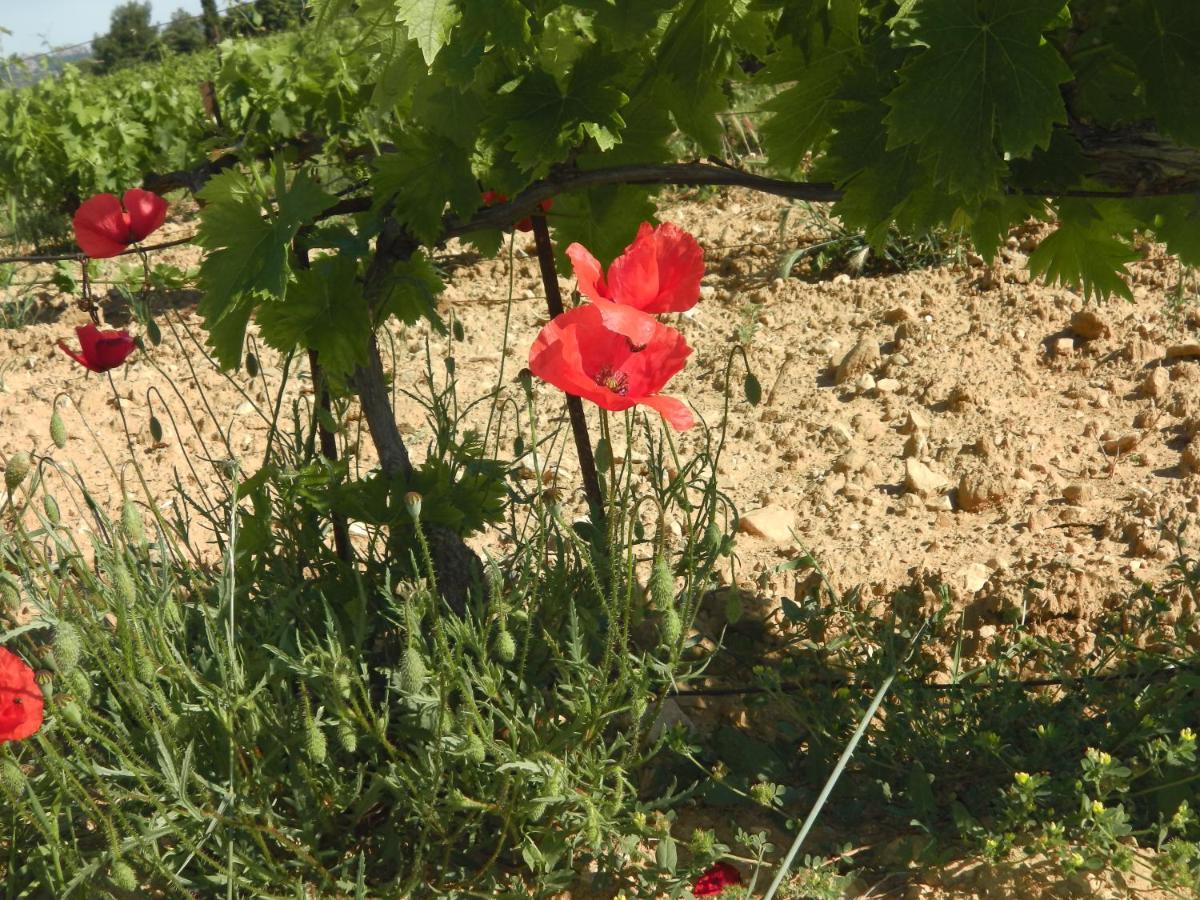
(659, 272)
(491, 198)
(99, 350)
(716, 879)
(614, 356)
(21, 700)
(105, 226)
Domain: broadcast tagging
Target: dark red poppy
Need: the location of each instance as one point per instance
(615, 356)
(106, 226)
(490, 198)
(659, 272)
(21, 702)
(99, 350)
(716, 879)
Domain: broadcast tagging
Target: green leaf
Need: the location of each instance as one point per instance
(423, 174)
(802, 114)
(985, 84)
(1162, 37)
(604, 219)
(429, 23)
(543, 122)
(248, 252)
(324, 311)
(1083, 251)
(413, 290)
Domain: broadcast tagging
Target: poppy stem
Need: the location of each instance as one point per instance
(583, 441)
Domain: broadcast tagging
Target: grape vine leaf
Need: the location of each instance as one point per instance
(429, 23)
(247, 251)
(1084, 250)
(1163, 39)
(984, 84)
(324, 311)
(413, 289)
(802, 114)
(423, 174)
(543, 121)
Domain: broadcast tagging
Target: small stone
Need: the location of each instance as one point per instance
(1184, 351)
(916, 422)
(1124, 443)
(774, 523)
(1189, 460)
(1156, 383)
(922, 480)
(1079, 493)
(861, 360)
(1089, 325)
(899, 314)
(851, 461)
(975, 576)
(1063, 346)
(978, 491)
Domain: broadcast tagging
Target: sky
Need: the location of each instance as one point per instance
(33, 23)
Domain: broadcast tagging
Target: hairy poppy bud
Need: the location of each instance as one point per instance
(16, 469)
(67, 647)
(412, 502)
(505, 647)
(662, 585)
(314, 741)
(12, 778)
(412, 671)
(131, 522)
(124, 877)
(670, 627)
(58, 431)
(347, 736)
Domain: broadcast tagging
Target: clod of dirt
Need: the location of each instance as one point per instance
(1089, 325)
(1183, 351)
(1189, 460)
(1156, 383)
(1123, 443)
(1079, 493)
(978, 491)
(922, 480)
(861, 359)
(1063, 346)
(774, 523)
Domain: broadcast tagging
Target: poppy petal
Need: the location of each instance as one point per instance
(101, 226)
(588, 273)
(147, 211)
(674, 411)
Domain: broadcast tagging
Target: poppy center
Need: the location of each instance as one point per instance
(617, 382)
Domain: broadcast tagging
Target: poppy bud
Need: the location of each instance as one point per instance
(505, 647)
(67, 647)
(124, 877)
(12, 778)
(314, 741)
(412, 502)
(58, 431)
(670, 628)
(412, 671)
(347, 736)
(662, 585)
(131, 523)
(16, 469)
(50, 507)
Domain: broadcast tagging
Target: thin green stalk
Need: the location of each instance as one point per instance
(829, 785)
